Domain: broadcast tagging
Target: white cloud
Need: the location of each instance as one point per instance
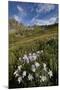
(17, 18)
(45, 8)
(20, 15)
(22, 11)
(49, 21)
(20, 8)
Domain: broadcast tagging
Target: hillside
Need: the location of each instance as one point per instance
(24, 35)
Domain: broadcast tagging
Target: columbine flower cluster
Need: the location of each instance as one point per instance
(35, 68)
(30, 57)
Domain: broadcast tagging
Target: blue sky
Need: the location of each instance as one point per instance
(33, 13)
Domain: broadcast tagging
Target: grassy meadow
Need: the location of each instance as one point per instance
(24, 40)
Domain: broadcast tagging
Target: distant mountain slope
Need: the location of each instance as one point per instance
(14, 25)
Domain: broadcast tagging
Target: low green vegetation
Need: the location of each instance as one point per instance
(24, 41)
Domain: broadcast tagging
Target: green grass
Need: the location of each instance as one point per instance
(32, 41)
(36, 34)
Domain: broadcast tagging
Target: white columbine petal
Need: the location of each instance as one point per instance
(33, 68)
(45, 69)
(38, 52)
(19, 58)
(30, 57)
(19, 79)
(16, 75)
(24, 74)
(19, 67)
(41, 51)
(26, 59)
(50, 73)
(43, 78)
(44, 65)
(34, 56)
(30, 77)
(37, 64)
(15, 72)
(30, 54)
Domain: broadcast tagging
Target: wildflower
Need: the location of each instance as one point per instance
(41, 51)
(33, 68)
(19, 67)
(24, 74)
(37, 64)
(30, 77)
(19, 58)
(19, 79)
(16, 75)
(50, 73)
(15, 72)
(43, 78)
(40, 76)
(30, 56)
(44, 67)
(34, 56)
(26, 59)
(38, 52)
